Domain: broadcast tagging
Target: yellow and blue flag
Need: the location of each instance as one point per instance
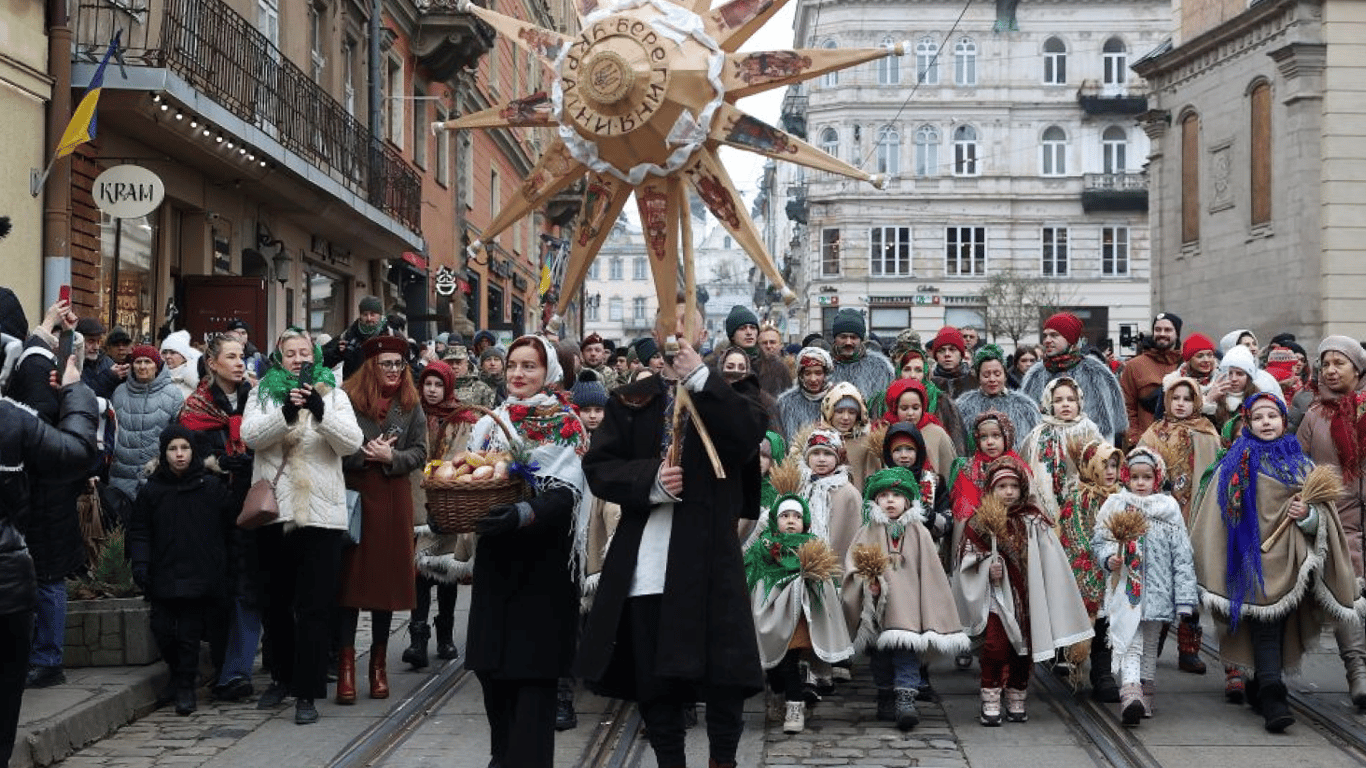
(82, 126)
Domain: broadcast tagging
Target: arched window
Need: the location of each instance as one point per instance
(888, 151)
(889, 66)
(830, 79)
(1260, 98)
(830, 142)
(1054, 62)
(1114, 149)
(927, 61)
(926, 151)
(1190, 178)
(965, 151)
(1054, 152)
(965, 62)
(1116, 59)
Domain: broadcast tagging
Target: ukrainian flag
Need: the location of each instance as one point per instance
(82, 126)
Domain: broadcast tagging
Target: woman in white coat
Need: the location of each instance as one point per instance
(300, 432)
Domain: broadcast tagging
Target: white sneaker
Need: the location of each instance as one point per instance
(841, 674)
(796, 717)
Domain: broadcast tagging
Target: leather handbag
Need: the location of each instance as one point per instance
(353, 517)
(261, 507)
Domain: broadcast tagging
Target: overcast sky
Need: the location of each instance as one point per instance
(746, 167)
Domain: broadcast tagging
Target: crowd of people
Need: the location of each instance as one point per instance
(840, 499)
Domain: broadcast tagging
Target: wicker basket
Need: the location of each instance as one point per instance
(454, 507)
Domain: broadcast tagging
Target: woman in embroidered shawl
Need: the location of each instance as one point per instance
(378, 574)
(993, 393)
(1015, 590)
(907, 402)
(796, 612)
(1189, 445)
(906, 608)
(1050, 448)
(1098, 477)
(214, 411)
(1270, 592)
(524, 607)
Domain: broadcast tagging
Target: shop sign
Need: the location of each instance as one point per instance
(444, 281)
(829, 301)
(128, 191)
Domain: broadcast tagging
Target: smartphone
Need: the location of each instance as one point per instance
(306, 376)
(64, 294)
(65, 342)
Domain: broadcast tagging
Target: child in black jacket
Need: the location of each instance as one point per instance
(177, 542)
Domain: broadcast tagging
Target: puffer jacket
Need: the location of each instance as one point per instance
(311, 491)
(143, 410)
(1169, 586)
(26, 442)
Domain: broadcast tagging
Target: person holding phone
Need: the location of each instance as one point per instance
(378, 574)
(300, 430)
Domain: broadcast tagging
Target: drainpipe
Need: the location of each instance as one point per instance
(57, 190)
(376, 70)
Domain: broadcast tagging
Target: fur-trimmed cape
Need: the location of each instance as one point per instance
(1104, 399)
(1023, 412)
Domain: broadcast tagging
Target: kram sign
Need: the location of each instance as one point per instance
(128, 191)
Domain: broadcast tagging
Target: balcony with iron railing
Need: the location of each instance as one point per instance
(1114, 192)
(1095, 99)
(797, 208)
(793, 116)
(449, 39)
(223, 57)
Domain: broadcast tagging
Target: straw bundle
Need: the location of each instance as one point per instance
(818, 561)
(1127, 525)
(786, 475)
(875, 440)
(991, 518)
(1323, 484)
(869, 561)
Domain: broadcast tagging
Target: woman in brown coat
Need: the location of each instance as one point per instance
(378, 573)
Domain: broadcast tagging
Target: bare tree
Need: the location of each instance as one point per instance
(1015, 305)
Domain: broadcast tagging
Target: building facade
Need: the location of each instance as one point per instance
(619, 292)
(1257, 165)
(25, 89)
(1013, 153)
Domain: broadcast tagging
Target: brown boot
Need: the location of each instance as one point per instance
(379, 672)
(346, 676)
(1188, 634)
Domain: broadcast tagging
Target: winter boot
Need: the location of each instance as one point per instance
(1234, 685)
(445, 641)
(1015, 705)
(415, 654)
(565, 717)
(991, 707)
(185, 700)
(906, 716)
(1103, 686)
(1352, 648)
(886, 705)
(1188, 634)
(794, 718)
(926, 690)
(1130, 704)
(346, 676)
(1252, 693)
(1275, 711)
(1148, 688)
(379, 671)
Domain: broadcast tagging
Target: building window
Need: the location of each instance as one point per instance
(393, 108)
(496, 306)
(830, 79)
(590, 310)
(1054, 152)
(638, 268)
(1114, 251)
(443, 150)
(465, 148)
(830, 142)
(1114, 146)
(965, 62)
(888, 151)
(1190, 178)
(495, 192)
(889, 66)
(1054, 247)
(349, 75)
(638, 308)
(926, 151)
(1116, 61)
(1054, 62)
(317, 32)
(965, 252)
(927, 61)
(614, 268)
(614, 306)
(419, 127)
(727, 243)
(965, 151)
(268, 20)
(1261, 153)
(830, 252)
(889, 252)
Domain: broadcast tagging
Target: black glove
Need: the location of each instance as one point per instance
(504, 518)
(314, 404)
(290, 410)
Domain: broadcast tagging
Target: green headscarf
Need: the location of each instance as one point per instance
(278, 381)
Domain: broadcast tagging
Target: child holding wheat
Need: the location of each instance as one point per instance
(1140, 540)
(1270, 554)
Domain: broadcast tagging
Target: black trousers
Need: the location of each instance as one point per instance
(179, 627)
(521, 715)
(786, 678)
(445, 599)
(662, 701)
(1266, 649)
(16, 636)
(302, 578)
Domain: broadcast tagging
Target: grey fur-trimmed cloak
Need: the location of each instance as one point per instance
(1023, 412)
(1104, 399)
